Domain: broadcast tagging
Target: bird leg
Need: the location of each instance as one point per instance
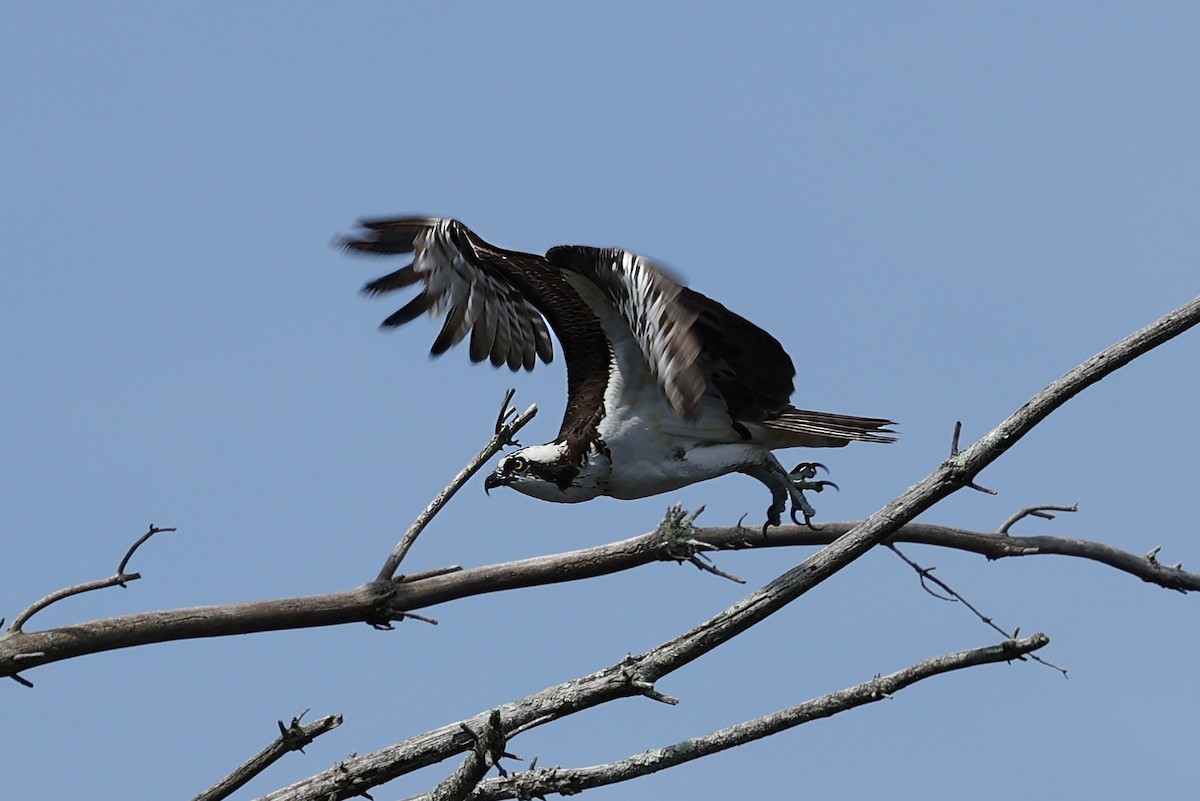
(798, 482)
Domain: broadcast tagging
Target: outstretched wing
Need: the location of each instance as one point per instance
(692, 344)
(504, 298)
(480, 289)
(632, 297)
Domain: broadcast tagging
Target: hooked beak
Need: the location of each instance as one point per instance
(494, 479)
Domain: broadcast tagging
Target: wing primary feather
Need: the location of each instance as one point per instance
(484, 332)
(405, 276)
(503, 339)
(474, 303)
(409, 312)
(541, 336)
(387, 236)
(452, 330)
(520, 344)
(522, 338)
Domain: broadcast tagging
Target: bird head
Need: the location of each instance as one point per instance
(531, 471)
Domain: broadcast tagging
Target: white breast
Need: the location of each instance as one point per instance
(652, 450)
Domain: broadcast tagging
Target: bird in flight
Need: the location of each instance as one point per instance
(665, 387)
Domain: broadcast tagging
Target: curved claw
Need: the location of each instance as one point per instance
(807, 520)
(808, 469)
(817, 486)
(773, 519)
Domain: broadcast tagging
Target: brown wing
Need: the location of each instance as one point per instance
(503, 298)
(689, 341)
(747, 365)
(476, 287)
(632, 296)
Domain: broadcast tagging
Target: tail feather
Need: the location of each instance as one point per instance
(828, 430)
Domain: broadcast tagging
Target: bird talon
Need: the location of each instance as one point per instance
(773, 518)
(800, 481)
(806, 470)
(807, 519)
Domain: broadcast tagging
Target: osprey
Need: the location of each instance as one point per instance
(665, 387)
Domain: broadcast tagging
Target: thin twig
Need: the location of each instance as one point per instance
(1043, 511)
(954, 451)
(291, 738)
(953, 596)
(506, 426)
(703, 562)
(118, 579)
(150, 532)
(424, 574)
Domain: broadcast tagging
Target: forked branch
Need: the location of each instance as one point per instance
(381, 601)
(568, 781)
(118, 579)
(487, 751)
(291, 738)
(508, 423)
(637, 673)
(953, 596)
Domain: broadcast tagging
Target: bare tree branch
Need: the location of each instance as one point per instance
(506, 428)
(1042, 510)
(487, 750)
(291, 738)
(568, 781)
(955, 473)
(637, 672)
(366, 604)
(988, 544)
(117, 579)
(383, 601)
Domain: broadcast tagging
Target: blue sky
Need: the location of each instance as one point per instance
(937, 208)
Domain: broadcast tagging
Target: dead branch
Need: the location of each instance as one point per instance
(384, 601)
(291, 738)
(954, 596)
(366, 604)
(955, 473)
(508, 423)
(568, 781)
(487, 751)
(1042, 510)
(118, 579)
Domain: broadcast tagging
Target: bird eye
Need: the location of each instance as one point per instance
(516, 464)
